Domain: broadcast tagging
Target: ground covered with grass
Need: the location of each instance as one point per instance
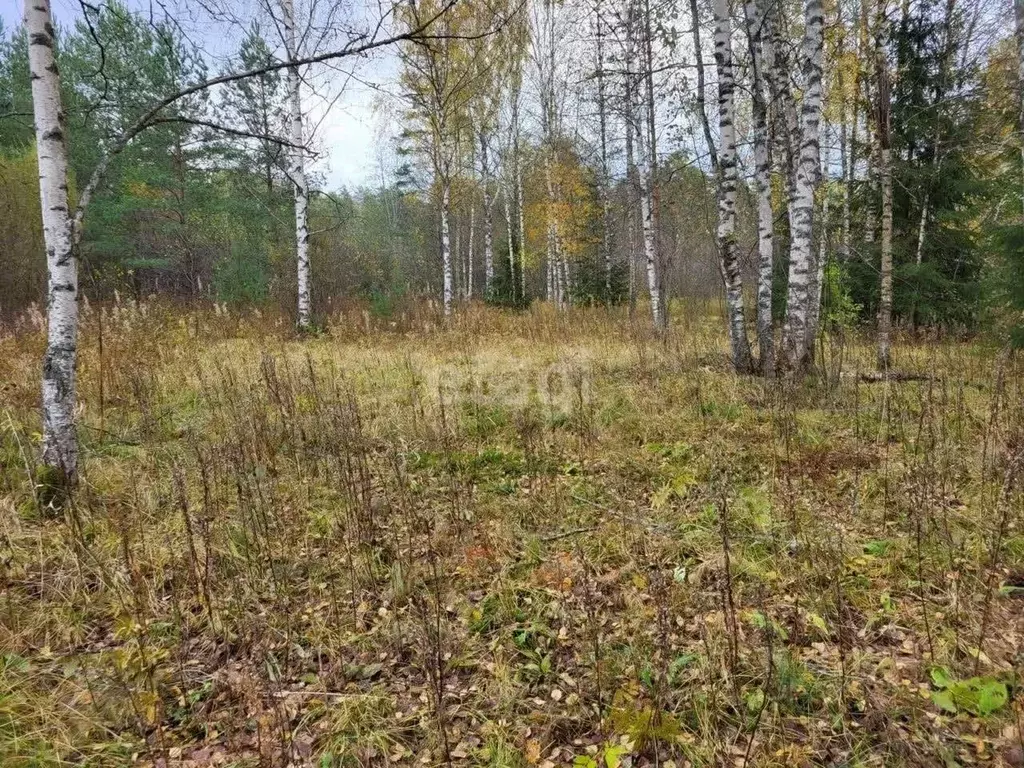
(522, 539)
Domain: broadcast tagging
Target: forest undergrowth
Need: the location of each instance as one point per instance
(532, 539)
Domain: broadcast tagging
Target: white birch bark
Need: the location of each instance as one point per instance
(632, 186)
(818, 274)
(297, 171)
(60, 442)
(446, 250)
(802, 266)
(469, 251)
(606, 245)
(506, 196)
(725, 233)
(485, 171)
(650, 228)
(636, 115)
(847, 147)
(762, 54)
(650, 250)
(518, 172)
(552, 240)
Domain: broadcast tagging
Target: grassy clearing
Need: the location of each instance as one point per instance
(524, 540)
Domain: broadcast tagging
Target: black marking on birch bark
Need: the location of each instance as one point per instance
(39, 38)
(52, 68)
(54, 134)
(64, 287)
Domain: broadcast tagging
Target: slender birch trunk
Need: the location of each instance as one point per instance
(785, 119)
(60, 441)
(469, 251)
(870, 134)
(458, 263)
(885, 174)
(522, 228)
(651, 228)
(606, 228)
(518, 169)
(847, 146)
(814, 308)
(762, 56)
(507, 204)
(632, 187)
(802, 266)
(297, 172)
(554, 294)
(818, 274)
(725, 234)
(446, 250)
(485, 172)
(650, 249)
(644, 177)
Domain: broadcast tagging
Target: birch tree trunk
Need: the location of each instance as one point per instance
(762, 56)
(60, 442)
(802, 266)
(885, 178)
(871, 138)
(552, 243)
(506, 195)
(446, 249)
(650, 248)
(606, 245)
(485, 172)
(469, 251)
(818, 275)
(644, 178)
(297, 172)
(725, 234)
(651, 229)
(814, 305)
(632, 187)
(517, 162)
(847, 145)
(459, 263)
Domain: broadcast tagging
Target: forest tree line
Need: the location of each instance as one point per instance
(526, 139)
(813, 164)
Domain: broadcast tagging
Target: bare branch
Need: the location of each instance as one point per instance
(359, 46)
(224, 129)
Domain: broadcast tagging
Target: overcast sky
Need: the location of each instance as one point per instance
(342, 105)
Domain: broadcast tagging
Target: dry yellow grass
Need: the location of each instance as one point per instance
(521, 539)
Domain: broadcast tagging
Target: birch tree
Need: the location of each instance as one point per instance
(551, 84)
(297, 166)
(63, 228)
(60, 445)
(798, 331)
(726, 177)
(762, 62)
(605, 175)
(882, 132)
(438, 77)
(641, 123)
